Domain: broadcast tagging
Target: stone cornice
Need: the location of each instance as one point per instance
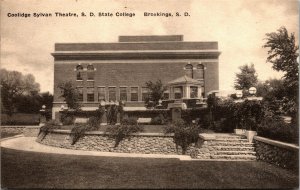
(111, 55)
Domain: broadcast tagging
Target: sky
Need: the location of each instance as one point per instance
(239, 26)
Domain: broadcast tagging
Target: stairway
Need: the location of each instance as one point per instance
(229, 147)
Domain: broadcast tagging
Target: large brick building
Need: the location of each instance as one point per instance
(118, 71)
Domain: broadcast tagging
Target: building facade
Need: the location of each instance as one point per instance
(118, 71)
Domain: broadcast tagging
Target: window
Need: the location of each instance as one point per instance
(123, 94)
(193, 92)
(134, 93)
(202, 91)
(178, 92)
(90, 67)
(199, 74)
(101, 94)
(112, 94)
(90, 72)
(90, 94)
(79, 70)
(166, 95)
(80, 94)
(145, 93)
(189, 70)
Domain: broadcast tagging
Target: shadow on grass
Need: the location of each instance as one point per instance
(21, 169)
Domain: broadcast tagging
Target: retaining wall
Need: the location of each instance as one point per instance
(13, 129)
(281, 154)
(146, 143)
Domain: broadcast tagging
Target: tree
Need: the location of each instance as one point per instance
(246, 78)
(156, 92)
(13, 85)
(283, 54)
(70, 95)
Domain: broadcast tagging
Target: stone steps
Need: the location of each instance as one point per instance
(224, 143)
(233, 148)
(228, 147)
(235, 153)
(231, 140)
(234, 157)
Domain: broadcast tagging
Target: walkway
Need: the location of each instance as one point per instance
(29, 144)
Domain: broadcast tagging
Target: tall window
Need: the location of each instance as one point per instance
(90, 72)
(145, 93)
(80, 94)
(101, 94)
(123, 94)
(202, 91)
(193, 92)
(178, 92)
(112, 95)
(189, 70)
(166, 95)
(90, 94)
(134, 94)
(79, 70)
(199, 74)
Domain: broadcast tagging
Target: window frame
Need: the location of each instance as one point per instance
(136, 92)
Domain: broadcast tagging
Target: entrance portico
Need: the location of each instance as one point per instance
(185, 88)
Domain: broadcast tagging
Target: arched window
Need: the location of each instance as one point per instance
(90, 67)
(79, 69)
(199, 73)
(189, 70)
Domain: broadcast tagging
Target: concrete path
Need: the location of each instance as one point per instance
(20, 142)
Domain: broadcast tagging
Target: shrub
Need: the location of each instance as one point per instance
(129, 121)
(120, 132)
(93, 123)
(184, 133)
(277, 129)
(158, 120)
(79, 129)
(44, 130)
(67, 119)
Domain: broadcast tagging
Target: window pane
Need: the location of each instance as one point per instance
(199, 73)
(101, 94)
(166, 95)
(79, 67)
(189, 70)
(79, 75)
(178, 92)
(145, 93)
(80, 94)
(112, 94)
(90, 67)
(123, 94)
(193, 91)
(90, 94)
(90, 75)
(134, 93)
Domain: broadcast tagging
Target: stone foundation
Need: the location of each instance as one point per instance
(145, 143)
(275, 152)
(13, 129)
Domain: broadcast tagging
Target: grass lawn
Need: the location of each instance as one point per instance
(38, 170)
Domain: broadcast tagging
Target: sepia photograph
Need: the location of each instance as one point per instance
(136, 94)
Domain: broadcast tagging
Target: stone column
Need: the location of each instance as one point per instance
(42, 116)
(104, 118)
(176, 113)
